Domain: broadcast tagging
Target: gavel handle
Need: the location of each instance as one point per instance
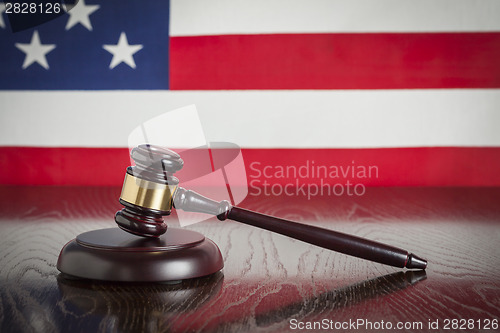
(328, 239)
(325, 238)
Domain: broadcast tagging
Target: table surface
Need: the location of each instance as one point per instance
(269, 282)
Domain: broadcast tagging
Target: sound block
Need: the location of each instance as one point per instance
(115, 255)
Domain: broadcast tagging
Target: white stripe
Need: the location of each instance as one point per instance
(304, 118)
(203, 17)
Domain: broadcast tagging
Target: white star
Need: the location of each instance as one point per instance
(2, 9)
(80, 14)
(122, 52)
(35, 51)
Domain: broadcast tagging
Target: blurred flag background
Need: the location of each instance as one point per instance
(409, 87)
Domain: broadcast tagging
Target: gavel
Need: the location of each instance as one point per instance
(151, 190)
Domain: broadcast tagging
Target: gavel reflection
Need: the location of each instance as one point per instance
(151, 190)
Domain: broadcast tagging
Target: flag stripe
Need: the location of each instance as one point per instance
(425, 166)
(201, 17)
(63, 166)
(336, 61)
(259, 119)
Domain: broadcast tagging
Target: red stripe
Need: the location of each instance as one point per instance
(336, 61)
(448, 166)
(63, 166)
(437, 166)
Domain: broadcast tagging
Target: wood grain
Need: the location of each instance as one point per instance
(268, 279)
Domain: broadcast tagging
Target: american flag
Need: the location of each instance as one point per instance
(411, 87)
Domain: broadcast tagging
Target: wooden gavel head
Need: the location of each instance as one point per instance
(148, 190)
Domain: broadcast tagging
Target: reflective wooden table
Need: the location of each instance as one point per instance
(269, 282)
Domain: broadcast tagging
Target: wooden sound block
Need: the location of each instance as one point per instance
(114, 255)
